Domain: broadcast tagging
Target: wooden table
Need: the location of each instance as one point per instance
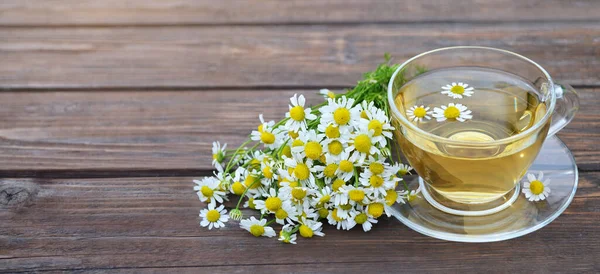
(108, 110)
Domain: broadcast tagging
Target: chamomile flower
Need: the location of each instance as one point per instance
(361, 218)
(379, 123)
(214, 217)
(346, 165)
(265, 134)
(208, 190)
(355, 195)
(375, 209)
(412, 194)
(378, 183)
(341, 112)
(418, 113)
(311, 147)
(327, 93)
(403, 169)
(334, 219)
(329, 170)
(298, 114)
(392, 196)
(286, 235)
(303, 170)
(457, 91)
(452, 111)
(309, 228)
(322, 198)
(271, 204)
(257, 227)
(218, 153)
(362, 144)
(536, 189)
(296, 194)
(287, 212)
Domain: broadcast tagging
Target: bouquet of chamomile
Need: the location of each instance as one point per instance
(330, 163)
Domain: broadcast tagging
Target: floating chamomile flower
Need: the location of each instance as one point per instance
(536, 189)
(214, 217)
(298, 114)
(309, 228)
(218, 153)
(342, 113)
(418, 113)
(286, 235)
(208, 190)
(327, 93)
(457, 91)
(257, 228)
(452, 111)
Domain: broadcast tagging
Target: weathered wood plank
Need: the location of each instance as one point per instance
(171, 130)
(142, 12)
(152, 222)
(279, 56)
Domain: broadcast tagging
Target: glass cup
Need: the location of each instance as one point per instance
(473, 167)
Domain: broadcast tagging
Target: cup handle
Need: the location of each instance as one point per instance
(567, 104)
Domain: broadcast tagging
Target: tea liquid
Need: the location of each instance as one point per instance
(502, 105)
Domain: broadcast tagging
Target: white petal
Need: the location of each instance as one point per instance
(301, 100)
(204, 223)
(530, 177)
(294, 100)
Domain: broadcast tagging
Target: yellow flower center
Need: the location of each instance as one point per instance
(346, 166)
(251, 203)
(298, 193)
(297, 113)
(267, 172)
(293, 134)
(335, 147)
(254, 164)
(305, 231)
(313, 150)
(215, 156)
(213, 215)
(341, 116)
(238, 188)
(335, 216)
(403, 172)
(297, 143)
(301, 172)
(361, 218)
(536, 187)
(376, 126)
(375, 210)
(267, 137)
(337, 184)
(281, 214)
(364, 115)
(273, 204)
(376, 168)
(323, 212)
(356, 195)
(330, 170)
(287, 151)
(332, 132)
(346, 207)
(322, 158)
(451, 112)
(376, 181)
(457, 89)
(206, 191)
(324, 199)
(362, 143)
(390, 197)
(331, 95)
(260, 128)
(257, 230)
(252, 181)
(420, 112)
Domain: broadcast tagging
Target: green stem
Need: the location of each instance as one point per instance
(246, 191)
(236, 153)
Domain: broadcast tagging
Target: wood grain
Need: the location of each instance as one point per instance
(143, 12)
(268, 57)
(125, 223)
(170, 131)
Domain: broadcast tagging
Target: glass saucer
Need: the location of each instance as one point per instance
(519, 218)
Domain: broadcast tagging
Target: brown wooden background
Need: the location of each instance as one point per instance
(108, 109)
